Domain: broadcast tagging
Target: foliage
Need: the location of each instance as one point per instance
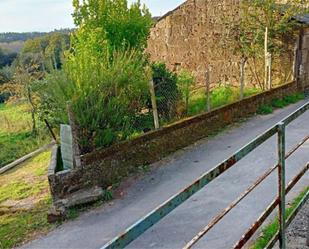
(291, 99)
(6, 58)
(16, 139)
(186, 82)
(265, 109)
(13, 36)
(103, 83)
(37, 57)
(15, 46)
(116, 24)
(6, 74)
(106, 96)
(219, 96)
(108, 195)
(47, 51)
(4, 96)
(245, 33)
(280, 103)
(278, 18)
(28, 184)
(54, 91)
(107, 102)
(222, 96)
(167, 92)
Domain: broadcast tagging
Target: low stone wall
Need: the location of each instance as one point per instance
(105, 167)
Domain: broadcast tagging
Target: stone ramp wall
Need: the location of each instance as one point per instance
(104, 167)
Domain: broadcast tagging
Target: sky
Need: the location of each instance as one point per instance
(47, 15)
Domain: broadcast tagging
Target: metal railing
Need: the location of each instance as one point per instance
(161, 211)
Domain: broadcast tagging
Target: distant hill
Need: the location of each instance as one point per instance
(13, 37)
(13, 42)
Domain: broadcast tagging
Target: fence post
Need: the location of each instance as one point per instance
(281, 178)
(266, 52)
(207, 78)
(269, 64)
(154, 105)
(242, 77)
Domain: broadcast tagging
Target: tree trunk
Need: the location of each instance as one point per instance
(29, 96)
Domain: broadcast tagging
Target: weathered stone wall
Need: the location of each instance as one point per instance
(198, 34)
(304, 68)
(105, 167)
(193, 37)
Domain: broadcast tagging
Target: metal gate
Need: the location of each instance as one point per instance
(157, 214)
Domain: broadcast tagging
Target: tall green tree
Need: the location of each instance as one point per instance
(119, 25)
(279, 19)
(49, 48)
(248, 34)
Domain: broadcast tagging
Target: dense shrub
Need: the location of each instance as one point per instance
(104, 80)
(106, 96)
(4, 96)
(167, 92)
(6, 58)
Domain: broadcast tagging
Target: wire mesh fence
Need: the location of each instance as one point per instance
(188, 98)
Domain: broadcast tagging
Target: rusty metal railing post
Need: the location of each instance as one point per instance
(281, 178)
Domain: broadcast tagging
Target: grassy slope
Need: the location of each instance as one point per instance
(16, 139)
(24, 202)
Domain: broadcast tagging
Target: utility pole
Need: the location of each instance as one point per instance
(154, 105)
(207, 80)
(266, 60)
(242, 77)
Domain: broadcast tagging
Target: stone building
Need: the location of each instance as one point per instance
(192, 37)
(302, 64)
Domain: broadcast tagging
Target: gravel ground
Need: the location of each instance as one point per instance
(297, 231)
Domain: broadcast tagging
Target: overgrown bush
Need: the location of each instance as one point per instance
(106, 96)
(167, 92)
(4, 96)
(265, 109)
(104, 80)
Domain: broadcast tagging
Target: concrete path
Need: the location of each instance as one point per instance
(93, 229)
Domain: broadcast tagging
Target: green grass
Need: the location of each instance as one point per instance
(270, 230)
(265, 109)
(220, 96)
(291, 99)
(280, 103)
(16, 139)
(24, 202)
